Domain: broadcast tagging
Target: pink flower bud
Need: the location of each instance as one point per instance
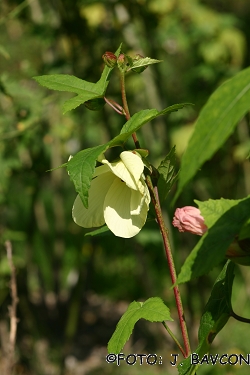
(110, 59)
(189, 219)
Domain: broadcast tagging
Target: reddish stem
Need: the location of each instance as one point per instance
(167, 247)
(117, 107)
(125, 107)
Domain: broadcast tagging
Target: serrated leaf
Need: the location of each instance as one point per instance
(138, 119)
(217, 120)
(167, 174)
(142, 117)
(65, 82)
(60, 166)
(81, 169)
(174, 108)
(144, 61)
(74, 102)
(85, 90)
(216, 314)
(152, 309)
(224, 219)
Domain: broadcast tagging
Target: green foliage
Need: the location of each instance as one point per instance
(139, 64)
(226, 106)
(216, 314)
(85, 90)
(224, 219)
(68, 283)
(167, 174)
(153, 310)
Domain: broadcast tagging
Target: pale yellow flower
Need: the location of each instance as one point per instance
(118, 196)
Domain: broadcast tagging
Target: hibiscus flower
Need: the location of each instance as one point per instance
(118, 196)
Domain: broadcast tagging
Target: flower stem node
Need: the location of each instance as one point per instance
(109, 59)
(118, 196)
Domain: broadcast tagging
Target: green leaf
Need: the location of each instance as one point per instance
(217, 120)
(144, 61)
(142, 117)
(138, 119)
(65, 82)
(216, 314)
(174, 108)
(224, 219)
(167, 174)
(98, 231)
(152, 309)
(245, 230)
(85, 90)
(60, 166)
(81, 169)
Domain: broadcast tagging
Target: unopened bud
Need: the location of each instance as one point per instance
(121, 62)
(110, 59)
(189, 219)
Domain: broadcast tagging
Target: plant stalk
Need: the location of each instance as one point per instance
(125, 106)
(167, 247)
(174, 338)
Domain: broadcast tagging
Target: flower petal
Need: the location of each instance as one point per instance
(93, 216)
(139, 198)
(128, 169)
(133, 163)
(117, 211)
(100, 170)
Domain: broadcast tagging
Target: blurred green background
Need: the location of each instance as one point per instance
(73, 289)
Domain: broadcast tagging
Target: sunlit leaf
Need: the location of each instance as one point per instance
(153, 310)
(85, 90)
(144, 61)
(81, 169)
(142, 117)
